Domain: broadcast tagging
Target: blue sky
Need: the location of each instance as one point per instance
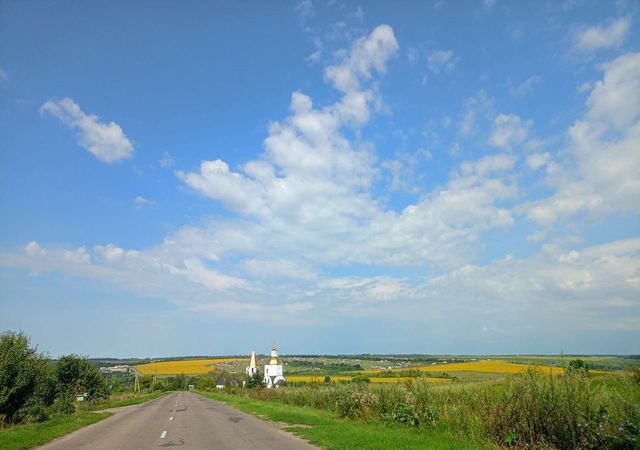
(337, 177)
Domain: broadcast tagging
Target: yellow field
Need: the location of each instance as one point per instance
(492, 366)
(314, 379)
(187, 366)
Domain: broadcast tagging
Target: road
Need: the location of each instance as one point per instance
(182, 419)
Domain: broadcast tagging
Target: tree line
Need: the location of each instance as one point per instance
(32, 388)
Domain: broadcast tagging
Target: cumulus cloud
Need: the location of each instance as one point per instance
(598, 37)
(109, 252)
(441, 60)
(367, 54)
(603, 174)
(509, 130)
(33, 249)
(77, 256)
(537, 160)
(105, 141)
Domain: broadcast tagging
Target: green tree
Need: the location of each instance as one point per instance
(578, 366)
(254, 381)
(75, 375)
(26, 386)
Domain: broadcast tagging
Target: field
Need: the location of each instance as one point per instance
(317, 379)
(489, 366)
(187, 366)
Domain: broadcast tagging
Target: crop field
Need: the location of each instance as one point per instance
(187, 366)
(317, 379)
(490, 366)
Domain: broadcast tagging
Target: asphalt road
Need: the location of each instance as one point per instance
(182, 419)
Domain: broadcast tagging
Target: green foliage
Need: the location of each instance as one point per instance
(254, 381)
(75, 376)
(26, 386)
(327, 379)
(404, 413)
(578, 366)
(361, 379)
(636, 374)
(529, 411)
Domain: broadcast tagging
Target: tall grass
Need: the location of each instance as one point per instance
(532, 410)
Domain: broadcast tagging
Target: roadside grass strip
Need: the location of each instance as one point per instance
(133, 399)
(31, 435)
(321, 428)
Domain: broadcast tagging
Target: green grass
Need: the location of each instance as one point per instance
(127, 401)
(323, 429)
(31, 435)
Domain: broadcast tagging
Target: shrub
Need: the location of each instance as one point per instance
(404, 413)
(26, 386)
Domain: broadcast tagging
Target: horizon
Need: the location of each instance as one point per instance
(333, 176)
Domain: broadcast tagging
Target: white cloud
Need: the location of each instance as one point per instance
(441, 60)
(33, 249)
(166, 161)
(526, 86)
(106, 141)
(593, 38)
(304, 10)
(141, 201)
(509, 130)
(603, 173)
(109, 252)
(476, 108)
(196, 271)
(615, 99)
(537, 160)
(77, 256)
(365, 55)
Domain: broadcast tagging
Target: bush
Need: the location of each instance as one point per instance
(26, 385)
(75, 375)
(404, 413)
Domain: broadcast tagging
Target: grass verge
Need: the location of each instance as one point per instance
(128, 401)
(28, 436)
(321, 428)
(21, 437)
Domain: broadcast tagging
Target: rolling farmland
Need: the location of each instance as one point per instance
(187, 367)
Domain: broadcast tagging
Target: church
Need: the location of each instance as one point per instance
(273, 372)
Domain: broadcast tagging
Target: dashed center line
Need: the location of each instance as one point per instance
(164, 433)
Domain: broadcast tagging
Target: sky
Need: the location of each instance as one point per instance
(205, 178)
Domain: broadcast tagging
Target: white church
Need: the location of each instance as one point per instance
(273, 372)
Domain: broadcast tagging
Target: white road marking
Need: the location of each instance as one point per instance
(164, 433)
(171, 418)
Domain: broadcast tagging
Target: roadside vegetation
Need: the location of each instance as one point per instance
(322, 428)
(40, 399)
(535, 409)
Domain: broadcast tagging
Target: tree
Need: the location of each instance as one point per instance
(578, 366)
(254, 381)
(26, 385)
(75, 375)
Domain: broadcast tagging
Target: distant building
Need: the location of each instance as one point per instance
(253, 365)
(115, 369)
(273, 373)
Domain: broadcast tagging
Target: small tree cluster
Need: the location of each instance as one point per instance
(31, 388)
